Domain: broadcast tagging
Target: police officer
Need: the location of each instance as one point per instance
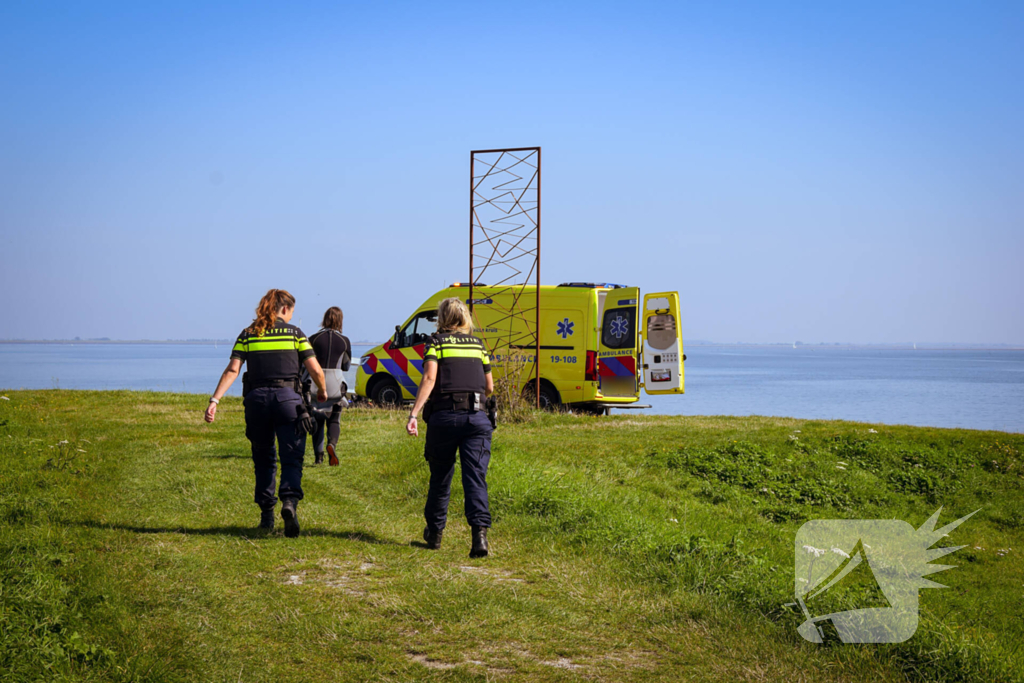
(275, 351)
(334, 353)
(457, 363)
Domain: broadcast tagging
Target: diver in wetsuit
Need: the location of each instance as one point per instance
(334, 353)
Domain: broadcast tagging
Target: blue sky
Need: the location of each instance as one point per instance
(797, 171)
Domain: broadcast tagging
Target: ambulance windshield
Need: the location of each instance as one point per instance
(418, 330)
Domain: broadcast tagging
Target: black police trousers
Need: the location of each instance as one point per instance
(470, 434)
(272, 412)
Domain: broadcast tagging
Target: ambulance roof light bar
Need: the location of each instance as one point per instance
(466, 284)
(592, 285)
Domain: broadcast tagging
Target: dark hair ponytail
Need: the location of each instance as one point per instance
(266, 312)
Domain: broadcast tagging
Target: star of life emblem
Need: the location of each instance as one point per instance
(620, 327)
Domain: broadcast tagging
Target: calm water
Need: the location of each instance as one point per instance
(975, 389)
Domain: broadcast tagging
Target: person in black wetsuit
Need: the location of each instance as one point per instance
(334, 353)
(275, 351)
(458, 363)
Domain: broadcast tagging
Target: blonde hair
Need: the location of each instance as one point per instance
(453, 314)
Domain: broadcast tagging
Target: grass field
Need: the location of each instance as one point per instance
(624, 548)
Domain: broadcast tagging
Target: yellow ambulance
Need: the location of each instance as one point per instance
(600, 344)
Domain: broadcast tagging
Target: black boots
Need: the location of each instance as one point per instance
(288, 514)
(479, 542)
(319, 458)
(267, 519)
(290, 517)
(433, 538)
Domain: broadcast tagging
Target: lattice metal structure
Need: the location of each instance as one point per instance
(504, 243)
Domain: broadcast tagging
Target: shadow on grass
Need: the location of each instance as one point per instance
(241, 531)
(307, 462)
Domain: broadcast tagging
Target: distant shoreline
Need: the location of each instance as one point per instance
(701, 344)
(97, 342)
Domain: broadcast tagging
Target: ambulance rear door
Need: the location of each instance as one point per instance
(662, 357)
(617, 351)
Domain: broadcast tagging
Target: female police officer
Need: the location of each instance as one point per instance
(458, 363)
(275, 351)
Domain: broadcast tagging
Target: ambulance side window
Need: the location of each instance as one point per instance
(618, 329)
(418, 330)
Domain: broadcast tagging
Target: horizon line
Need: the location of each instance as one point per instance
(696, 342)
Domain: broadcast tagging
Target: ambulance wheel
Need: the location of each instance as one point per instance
(386, 392)
(549, 396)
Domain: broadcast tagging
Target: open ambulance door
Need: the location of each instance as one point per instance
(662, 344)
(618, 337)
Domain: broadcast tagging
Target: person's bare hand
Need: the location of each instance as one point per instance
(412, 428)
(321, 395)
(211, 412)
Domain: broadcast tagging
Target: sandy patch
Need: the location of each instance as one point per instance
(492, 573)
(420, 658)
(346, 578)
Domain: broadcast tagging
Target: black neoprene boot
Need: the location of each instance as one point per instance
(318, 458)
(433, 538)
(332, 456)
(290, 517)
(267, 519)
(479, 542)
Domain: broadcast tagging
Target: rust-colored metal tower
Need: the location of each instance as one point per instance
(504, 241)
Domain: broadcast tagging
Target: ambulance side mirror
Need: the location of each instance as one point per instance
(397, 339)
